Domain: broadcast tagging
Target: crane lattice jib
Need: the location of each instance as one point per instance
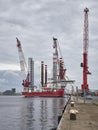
(55, 59)
(85, 38)
(23, 65)
(58, 62)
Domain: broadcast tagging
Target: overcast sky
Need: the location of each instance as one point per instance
(35, 23)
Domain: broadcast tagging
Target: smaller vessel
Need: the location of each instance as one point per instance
(54, 87)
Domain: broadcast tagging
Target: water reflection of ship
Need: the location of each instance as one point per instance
(40, 113)
(43, 114)
(49, 110)
(58, 105)
(27, 115)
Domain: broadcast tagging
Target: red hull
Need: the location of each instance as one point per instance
(58, 93)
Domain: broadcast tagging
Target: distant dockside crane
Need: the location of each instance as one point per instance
(84, 64)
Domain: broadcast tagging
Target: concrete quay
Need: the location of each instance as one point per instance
(86, 116)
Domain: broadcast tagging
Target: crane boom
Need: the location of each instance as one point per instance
(58, 62)
(85, 37)
(55, 59)
(23, 65)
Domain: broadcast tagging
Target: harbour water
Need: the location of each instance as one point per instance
(19, 113)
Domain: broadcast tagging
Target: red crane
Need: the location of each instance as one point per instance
(23, 65)
(58, 62)
(62, 70)
(85, 86)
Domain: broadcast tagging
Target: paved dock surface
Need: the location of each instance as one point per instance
(86, 119)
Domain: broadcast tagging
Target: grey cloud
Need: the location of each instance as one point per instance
(10, 79)
(36, 22)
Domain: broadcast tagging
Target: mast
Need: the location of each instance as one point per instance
(42, 73)
(55, 60)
